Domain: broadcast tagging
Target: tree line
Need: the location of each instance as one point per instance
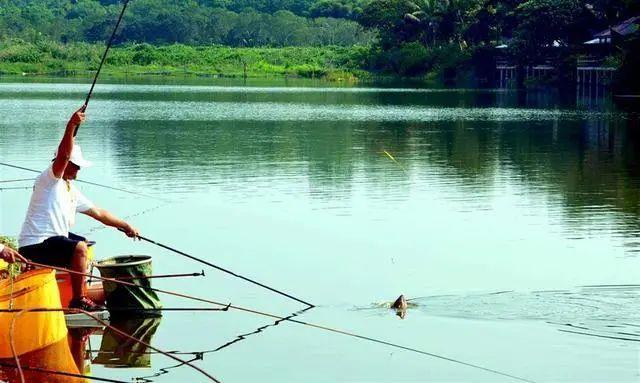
(403, 37)
(238, 23)
(416, 35)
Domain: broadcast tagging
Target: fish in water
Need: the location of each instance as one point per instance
(400, 303)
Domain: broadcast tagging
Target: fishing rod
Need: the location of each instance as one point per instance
(18, 180)
(277, 317)
(107, 325)
(17, 188)
(127, 278)
(137, 310)
(85, 182)
(104, 58)
(223, 269)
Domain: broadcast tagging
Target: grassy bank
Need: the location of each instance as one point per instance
(78, 59)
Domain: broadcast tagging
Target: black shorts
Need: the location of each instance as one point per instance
(55, 251)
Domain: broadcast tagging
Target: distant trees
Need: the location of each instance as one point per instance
(415, 36)
(407, 37)
(243, 23)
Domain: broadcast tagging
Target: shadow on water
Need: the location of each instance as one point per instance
(200, 355)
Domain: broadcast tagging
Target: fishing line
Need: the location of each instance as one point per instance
(223, 270)
(277, 317)
(88, 182)
(125, 218)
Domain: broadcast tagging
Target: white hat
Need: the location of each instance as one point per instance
(77, 158)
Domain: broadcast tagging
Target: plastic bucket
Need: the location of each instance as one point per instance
(33, 330)
(122, 299)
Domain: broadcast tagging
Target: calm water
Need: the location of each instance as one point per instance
(511, 219)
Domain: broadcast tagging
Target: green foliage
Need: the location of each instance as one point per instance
(241, 23)
(422, 36)
(404, 37)
(181, 59)
(543, 23)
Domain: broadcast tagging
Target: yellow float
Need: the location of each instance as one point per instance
(33, 289)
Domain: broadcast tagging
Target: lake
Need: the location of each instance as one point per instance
(510, 219)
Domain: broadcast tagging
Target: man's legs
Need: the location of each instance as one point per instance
(67, 252)
(79, 264)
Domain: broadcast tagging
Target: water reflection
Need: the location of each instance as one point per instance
(117, 350)
(54, 363)
(592, 166)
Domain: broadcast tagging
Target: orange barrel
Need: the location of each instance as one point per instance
(32, 330)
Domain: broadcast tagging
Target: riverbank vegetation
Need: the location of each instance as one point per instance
(310, 38)
(77, 59)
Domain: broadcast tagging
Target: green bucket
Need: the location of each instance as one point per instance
(124, 300)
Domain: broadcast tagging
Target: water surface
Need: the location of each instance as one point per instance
(531, 196)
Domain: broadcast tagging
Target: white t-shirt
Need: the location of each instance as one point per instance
(52, 210)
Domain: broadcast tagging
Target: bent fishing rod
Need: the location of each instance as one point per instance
(223, 269)
(104, 58)
(228, 306)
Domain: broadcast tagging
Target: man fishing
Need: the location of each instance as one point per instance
(45, 236)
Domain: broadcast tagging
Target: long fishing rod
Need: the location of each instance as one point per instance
(104, 58)
(84, 182)
(106, 324)
(128, 278)
(18, 180)
(224, 270)
(277, 317)
(17, 188)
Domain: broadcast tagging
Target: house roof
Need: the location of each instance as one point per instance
(625, 28)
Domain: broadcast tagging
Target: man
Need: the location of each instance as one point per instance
(9, 255)
(45, 236)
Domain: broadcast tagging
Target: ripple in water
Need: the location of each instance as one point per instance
(611, 312)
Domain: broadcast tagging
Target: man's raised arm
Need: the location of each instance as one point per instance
(66, 145)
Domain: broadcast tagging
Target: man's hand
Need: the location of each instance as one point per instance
(130, 231)
(77, 118)
(9, 255)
